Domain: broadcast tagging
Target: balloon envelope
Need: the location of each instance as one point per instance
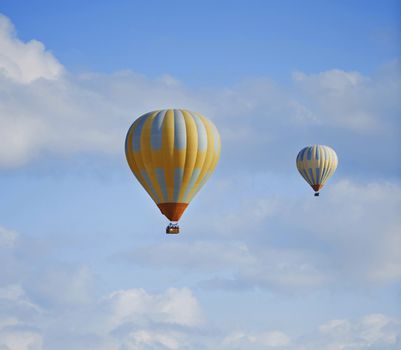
(317, 164)
(172, 153)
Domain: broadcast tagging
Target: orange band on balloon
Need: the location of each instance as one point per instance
(172, 211)
(317, 187)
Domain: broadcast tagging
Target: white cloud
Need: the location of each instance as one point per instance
(175, 307)
(11, 292)
(335, 80)
(20, 340)
(16, 313)
(131, 319)
(373, 331)
(24, 62)
(262, 340)
(148, 339)
(351, 100)
(72, 115)
(11, 265)
(7, 238)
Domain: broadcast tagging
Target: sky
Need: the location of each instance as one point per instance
(260, 263)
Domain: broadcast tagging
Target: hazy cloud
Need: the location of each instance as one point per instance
(349, 236)
(373, 331)
(263, 340)
(7, 238)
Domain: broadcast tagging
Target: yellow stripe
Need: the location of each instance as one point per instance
(133, 165)
(146, 154)
(157, 158)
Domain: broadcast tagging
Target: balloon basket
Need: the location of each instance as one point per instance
(172, 229)
(317, 194)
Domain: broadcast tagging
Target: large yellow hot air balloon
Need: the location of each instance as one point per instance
(316, 164)
(172, 153)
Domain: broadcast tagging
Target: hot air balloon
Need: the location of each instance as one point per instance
(316, 164)
(172, 153)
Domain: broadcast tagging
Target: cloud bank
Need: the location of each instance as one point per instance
(137, 319)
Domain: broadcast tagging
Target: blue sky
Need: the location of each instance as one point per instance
(260, 262)
(208, 42)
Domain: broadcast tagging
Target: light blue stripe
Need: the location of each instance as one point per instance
(136, 138)
(191, 183)
(299, 153)
(178, 173)
(302, 153)
(180, 130)
(162, 182)
(157, 130)
(309, 153)
(318, 179)
(202, 134)
(126, 138)
(149, 183)
(311, 176)
(299, 156)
